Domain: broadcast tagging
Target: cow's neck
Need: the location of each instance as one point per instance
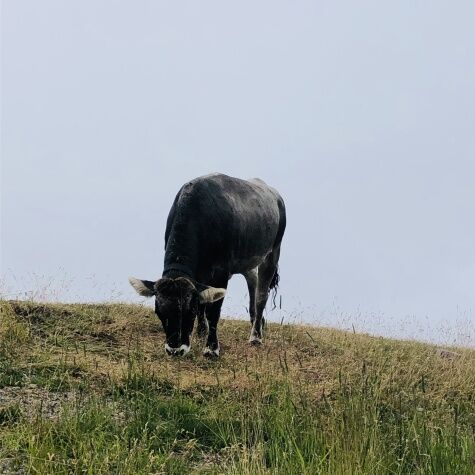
(177, 270)
(181, 254)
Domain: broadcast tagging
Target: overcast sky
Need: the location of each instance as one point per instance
(362, 114)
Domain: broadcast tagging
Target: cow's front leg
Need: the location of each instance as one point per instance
(202, 329)
(212, 315)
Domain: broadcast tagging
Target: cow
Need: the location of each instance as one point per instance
(218, 226)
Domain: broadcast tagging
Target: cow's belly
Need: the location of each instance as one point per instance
(244, 265)
(251, 252)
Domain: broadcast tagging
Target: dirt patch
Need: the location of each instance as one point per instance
(7, 467)
(34, 401)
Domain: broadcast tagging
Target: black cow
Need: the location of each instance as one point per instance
(218, 226)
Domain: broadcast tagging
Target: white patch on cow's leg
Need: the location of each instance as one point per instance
(256, 336)
(180, 351)
(210, 352)
(256, 333)
(184, 349)
(254, 339)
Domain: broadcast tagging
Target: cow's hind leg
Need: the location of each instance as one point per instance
(266, 276)
(251, 279)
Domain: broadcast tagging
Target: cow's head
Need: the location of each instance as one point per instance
(176, 305)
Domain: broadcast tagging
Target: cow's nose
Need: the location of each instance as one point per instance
(180, 351)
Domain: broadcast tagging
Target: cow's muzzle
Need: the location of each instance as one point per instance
(180, 351)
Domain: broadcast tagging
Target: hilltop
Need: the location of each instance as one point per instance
(89, 388)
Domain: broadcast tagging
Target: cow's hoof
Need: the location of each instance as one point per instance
(255, 341)
(209, 353)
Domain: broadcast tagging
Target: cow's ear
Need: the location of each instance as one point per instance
(145, 288)
(212, 294)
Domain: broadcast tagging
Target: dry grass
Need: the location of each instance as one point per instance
(46, 349)
(103, 340)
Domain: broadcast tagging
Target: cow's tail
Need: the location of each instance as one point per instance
(274, 286)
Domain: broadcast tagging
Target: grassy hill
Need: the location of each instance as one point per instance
(89, 389)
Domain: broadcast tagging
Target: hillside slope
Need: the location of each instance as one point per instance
(89, 388)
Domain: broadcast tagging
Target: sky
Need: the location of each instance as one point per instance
(362, 114)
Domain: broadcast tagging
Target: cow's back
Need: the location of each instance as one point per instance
(230, 222)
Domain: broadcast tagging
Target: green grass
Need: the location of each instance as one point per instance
(88, 389)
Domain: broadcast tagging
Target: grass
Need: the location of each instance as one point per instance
(89, 389)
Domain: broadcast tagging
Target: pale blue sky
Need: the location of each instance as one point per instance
(361, 113)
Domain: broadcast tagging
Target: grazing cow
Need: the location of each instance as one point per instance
(218, 226)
